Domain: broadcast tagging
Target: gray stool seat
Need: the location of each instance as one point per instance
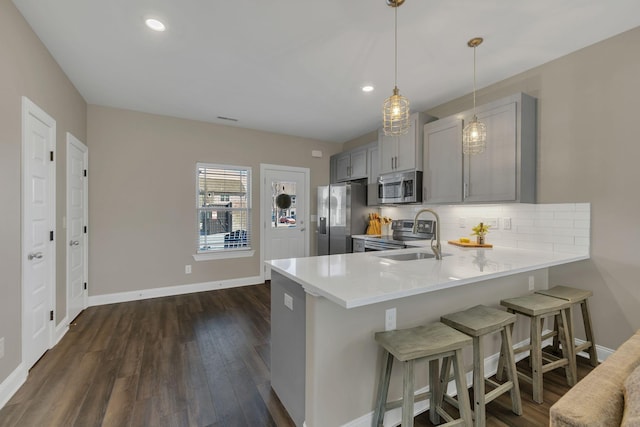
(538, 307)
(426, 342)
(477, 322)
(576, 296)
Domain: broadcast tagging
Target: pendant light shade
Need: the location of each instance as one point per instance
(474, 137)
(396, 114)
(395, 110)
(474, 134)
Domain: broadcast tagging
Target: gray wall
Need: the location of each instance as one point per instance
(142, 195)
(588, 151)
(27, 69)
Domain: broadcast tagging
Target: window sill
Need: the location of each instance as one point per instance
(208, 256)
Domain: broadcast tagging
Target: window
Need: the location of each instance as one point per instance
(223, 210)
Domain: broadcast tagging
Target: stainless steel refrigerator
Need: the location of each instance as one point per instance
(342, 212)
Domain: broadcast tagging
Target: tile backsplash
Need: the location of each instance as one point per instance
(561, 227)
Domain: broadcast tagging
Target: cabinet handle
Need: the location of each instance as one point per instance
(466, 190)
(392, 163)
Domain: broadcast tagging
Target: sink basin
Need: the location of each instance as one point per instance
(409, 256)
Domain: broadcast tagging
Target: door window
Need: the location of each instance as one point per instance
(283, 206)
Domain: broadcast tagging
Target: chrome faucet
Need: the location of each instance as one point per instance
(437, 249)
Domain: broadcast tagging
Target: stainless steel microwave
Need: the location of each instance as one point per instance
(401, 187)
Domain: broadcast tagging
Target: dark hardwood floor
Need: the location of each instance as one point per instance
(190, 360)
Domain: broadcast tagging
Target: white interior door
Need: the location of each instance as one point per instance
(38, 212)
(284, 213)
(77, 251)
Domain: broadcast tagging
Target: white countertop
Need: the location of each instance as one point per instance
(358, 279)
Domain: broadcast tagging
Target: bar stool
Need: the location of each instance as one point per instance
(576, 296)
(427, 342)
(477, 322)
(537, 307)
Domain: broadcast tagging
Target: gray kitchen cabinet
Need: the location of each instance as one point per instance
(358, 245)
(504, 172)
(443, 161)
(351, 165)
(355, 164)
(403, 152)
(374, 164)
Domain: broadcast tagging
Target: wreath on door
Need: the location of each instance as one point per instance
(283, 201)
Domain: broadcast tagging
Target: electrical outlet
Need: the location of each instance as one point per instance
(462, 222)
(288, 301)
(187, 269)
(506, 223)
(390, 319)
(532, 282)
(491, 222)
(1, 347)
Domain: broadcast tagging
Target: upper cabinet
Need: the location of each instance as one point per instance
(443, 161)
(354, 164)
(504, 172)
(351, 165)
(404, 152)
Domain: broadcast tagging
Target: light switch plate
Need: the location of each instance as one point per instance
(390, 319)
(288, 301)
(506, 223)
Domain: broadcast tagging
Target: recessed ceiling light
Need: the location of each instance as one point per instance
(154, 24)
(367, 88)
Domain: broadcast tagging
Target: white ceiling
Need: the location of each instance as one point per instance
(296, 66)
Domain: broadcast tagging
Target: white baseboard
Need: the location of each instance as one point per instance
(602, 352)
(172, 290)
(61, 330)
(394, 417)
(11, 384)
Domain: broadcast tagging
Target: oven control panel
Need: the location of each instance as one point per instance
(403, 229)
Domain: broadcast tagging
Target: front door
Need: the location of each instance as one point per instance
(38, 211)
(284, 213)
(77, 157)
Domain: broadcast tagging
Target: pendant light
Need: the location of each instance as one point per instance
(395, 110)
(474, 134)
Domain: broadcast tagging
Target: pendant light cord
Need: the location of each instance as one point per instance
(474, 80)
(395, 78)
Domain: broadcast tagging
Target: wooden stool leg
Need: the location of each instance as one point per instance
(536, 359)
(383, 389)
(461, 387)
(408, 394)
(556, 337)
(572, 342)
(512, 373)
(478, 382)
(501, 361)
(588, 330)
(569, 354)
(436, 395)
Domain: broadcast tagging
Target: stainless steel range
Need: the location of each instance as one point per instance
(402, 232)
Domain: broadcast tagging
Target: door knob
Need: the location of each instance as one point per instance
(34, 255)
(74, 243)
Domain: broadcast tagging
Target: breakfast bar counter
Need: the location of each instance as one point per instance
(354, 280)
(325, 310)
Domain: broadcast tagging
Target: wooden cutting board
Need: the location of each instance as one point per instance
(470, 244)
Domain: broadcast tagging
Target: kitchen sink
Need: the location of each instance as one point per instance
(410, 256)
